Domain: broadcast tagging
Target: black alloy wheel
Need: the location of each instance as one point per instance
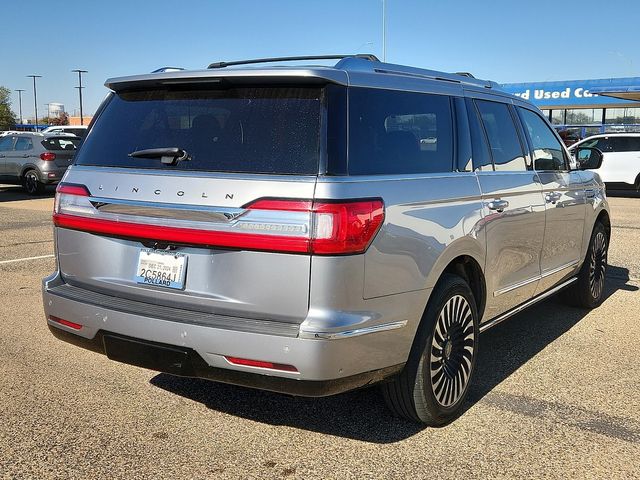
(32, 183)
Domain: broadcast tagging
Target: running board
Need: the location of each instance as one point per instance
(519, 308)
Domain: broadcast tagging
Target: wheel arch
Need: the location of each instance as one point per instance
(469, 269)
(605, 220)
(27, 167)
(465, 258)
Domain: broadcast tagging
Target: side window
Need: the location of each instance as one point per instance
(625, 144)
(603, 144)
(506, 149)
(481, 155)
(635, 144)
(6, 143)
(393, 132)
(548, 153)
(23, 143)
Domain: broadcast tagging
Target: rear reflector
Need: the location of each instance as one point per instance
(66, 323)
(318, 227)
(47, 156)
(260, 364)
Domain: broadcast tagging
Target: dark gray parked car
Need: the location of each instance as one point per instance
(35, 160)
(311, 230)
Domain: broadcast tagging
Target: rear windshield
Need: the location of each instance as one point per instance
(61, 143)
(248, 130)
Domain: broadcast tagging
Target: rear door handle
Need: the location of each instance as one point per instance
(498, 205)
(552, 197)
(26, 155)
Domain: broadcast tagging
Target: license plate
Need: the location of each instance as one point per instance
(162, 269)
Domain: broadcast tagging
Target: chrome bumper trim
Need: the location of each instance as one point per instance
(309, 334)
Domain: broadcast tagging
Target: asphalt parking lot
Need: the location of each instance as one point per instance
(556, 394)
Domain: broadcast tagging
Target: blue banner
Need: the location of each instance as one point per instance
(571, 92)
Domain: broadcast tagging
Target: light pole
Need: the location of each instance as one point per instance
(384, 30)
(20, 90)
(35, 98)
(80, 87)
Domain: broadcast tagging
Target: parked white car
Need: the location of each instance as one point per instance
(621, 163)
(77, 130)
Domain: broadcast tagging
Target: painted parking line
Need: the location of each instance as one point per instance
(16, 260)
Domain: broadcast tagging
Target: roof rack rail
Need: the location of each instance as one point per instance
(366, 56)
(465, 74)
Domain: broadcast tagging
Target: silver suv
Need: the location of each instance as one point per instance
(312, 229)
(35, 160)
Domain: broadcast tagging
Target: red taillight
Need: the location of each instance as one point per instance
(351, 229)
(339, 228)
(66, 323)
(72, 189)
(281, 205)
(260, 364)
(48, 156)
(188, 236)
(318, 227)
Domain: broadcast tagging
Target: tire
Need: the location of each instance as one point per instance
(432, 387)
(31, 183)
(588, 290)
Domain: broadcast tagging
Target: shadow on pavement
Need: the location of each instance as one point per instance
(12, 193)
(362, 415)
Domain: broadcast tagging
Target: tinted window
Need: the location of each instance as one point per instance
(602, 143)
(399, 132)
(6, 143)
(481, 154)
(23, 143)
(625, 144)
(547, 150)
(250, 130)
(61, 143)
(502, 135)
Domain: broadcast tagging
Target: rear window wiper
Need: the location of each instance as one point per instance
(168, 155)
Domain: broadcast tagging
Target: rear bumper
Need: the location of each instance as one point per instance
(325, 366)
(141, 353)
(51, 174)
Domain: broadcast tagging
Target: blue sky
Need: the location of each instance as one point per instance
(505, 41)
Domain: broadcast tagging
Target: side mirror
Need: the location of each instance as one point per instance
(587, 158)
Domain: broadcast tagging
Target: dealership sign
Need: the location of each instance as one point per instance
(569, 93)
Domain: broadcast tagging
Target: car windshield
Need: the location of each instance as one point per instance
(248, 130)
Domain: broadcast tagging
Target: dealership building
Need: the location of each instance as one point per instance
(586, 107)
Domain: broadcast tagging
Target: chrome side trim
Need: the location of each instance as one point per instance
(309, 334)
(560, 268)
(508, 289)
(535, 279)
(519, 308)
